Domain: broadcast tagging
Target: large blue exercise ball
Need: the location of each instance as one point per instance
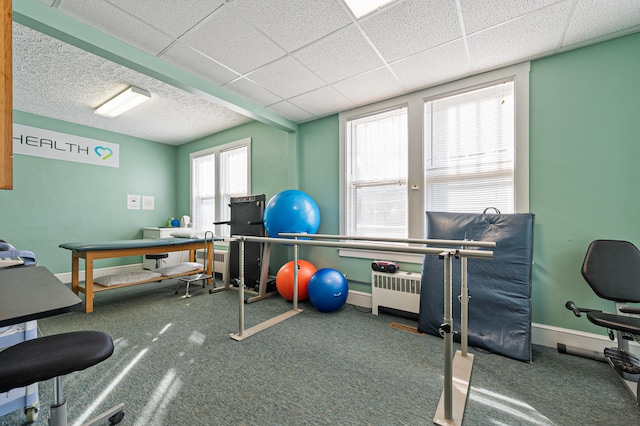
(291, 211)
(328, 290)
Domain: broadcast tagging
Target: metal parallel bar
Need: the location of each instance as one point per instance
(462, 364)
(455, 243)
(483, 254)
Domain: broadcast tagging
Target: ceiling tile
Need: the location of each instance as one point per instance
(412, 26)
(174, 17)
(370, 87)
(520, 39)
(481, 14)
(253, 92)
(290, 111)
(286, 77)
(198, 64)
(115, 22)
(340, 55)
(294, 23)
(323, 101)
(226, 38)
(593, 19)
(437, 65)
(59, 91)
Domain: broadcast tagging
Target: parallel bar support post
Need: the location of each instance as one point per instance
(241, 289)
(295, 276)
(448, 337)
(464, 306)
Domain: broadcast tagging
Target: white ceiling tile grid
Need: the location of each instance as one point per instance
(301, 59)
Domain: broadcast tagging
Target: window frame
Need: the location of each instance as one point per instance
(216, 151)
(415, 103)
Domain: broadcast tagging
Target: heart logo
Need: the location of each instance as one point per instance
(103, 152)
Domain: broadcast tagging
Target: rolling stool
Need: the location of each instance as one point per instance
(52, 357)
(157, 257)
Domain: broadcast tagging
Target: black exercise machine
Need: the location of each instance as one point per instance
(247, 219)
(612, 269)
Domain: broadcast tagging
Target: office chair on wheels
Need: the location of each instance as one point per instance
(52, 357)
(612, 270)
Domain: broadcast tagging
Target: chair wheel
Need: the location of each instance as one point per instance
(32, 413)
(116, 418)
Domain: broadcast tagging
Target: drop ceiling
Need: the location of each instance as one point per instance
(299, 59)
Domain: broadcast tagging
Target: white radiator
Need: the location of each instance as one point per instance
(219, 259)
(400, 290)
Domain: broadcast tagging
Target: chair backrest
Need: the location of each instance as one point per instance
(612, 269)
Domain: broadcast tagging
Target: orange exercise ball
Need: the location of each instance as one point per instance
(284, 279)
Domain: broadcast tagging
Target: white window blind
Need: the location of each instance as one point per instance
(203, 191)
(377, 174)
(469, 150)
(233, 181)
(217, 174)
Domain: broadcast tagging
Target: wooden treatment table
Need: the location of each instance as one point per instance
(110, 249)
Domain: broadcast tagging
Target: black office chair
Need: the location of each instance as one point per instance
(612, 269)
(52, 357)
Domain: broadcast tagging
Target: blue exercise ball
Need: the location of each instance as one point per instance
(328, 290)
(291, 211)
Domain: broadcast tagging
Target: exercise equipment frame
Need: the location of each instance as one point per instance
(457, 369)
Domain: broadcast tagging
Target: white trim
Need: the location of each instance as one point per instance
(216, 151)
(359, 298)
(381, 255)
(415, 103)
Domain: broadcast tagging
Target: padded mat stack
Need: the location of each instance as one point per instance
(499, 289)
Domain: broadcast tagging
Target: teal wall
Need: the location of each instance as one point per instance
(584, 151)
(59, 201)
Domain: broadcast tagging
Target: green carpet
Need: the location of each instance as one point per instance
(175, 364)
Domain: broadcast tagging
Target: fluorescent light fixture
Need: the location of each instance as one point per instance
(363, 7)
(130, 98)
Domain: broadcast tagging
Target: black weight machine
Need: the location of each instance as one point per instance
(246, 219)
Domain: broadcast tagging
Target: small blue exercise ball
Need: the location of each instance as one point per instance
(328, 290)
(291, 211)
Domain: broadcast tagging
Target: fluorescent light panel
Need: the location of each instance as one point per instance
(364, 7)
(130, 98)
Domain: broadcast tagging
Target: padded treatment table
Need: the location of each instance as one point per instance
(122, 248)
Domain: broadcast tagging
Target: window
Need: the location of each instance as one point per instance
(377, 174)
(469, 144)
(217, 174)
(462, 146)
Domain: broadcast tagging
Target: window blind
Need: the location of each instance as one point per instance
(469, 150)
(377, 174)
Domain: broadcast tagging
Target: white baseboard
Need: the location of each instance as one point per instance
(359, 298)
(541, 334)
(66, 277)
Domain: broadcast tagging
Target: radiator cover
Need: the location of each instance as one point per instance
(400, 290)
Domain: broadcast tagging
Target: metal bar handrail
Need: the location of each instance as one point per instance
(484, 244)
(485, 254)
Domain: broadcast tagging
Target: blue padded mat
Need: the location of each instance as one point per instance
(499, 289)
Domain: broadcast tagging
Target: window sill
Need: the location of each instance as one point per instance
(381, 255)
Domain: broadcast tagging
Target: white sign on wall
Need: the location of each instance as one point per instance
(37, 142)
